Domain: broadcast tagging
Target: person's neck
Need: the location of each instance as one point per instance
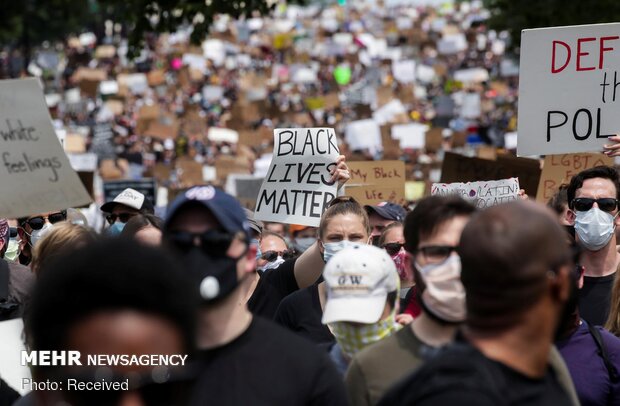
(524, 348)
(221, 323)
(602, 262)
(431, 332)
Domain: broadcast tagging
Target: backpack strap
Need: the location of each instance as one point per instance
(4, 281)
(602, 351)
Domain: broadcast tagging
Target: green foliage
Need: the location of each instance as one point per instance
(516, 15)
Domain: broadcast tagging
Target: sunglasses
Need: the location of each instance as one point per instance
(392, 248)
(123, 217)
(607, 204)
(171, 389)
(436, 253)
(12, 232)
(271, 256)
(37, 223)
(213, 242)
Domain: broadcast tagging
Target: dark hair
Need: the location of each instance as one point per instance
(387, 230)
(506, 252)
(340, 206)
(108, 275)
(429, 214)
(267, 233)
(604, 172)
(140, 221)
(559, 201)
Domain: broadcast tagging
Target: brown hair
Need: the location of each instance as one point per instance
(340, 206)
(613, 320)
(506, 252)
(62, 239)
(140, 221)
(387, 229)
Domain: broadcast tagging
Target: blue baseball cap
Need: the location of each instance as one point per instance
(224, 207)
(389, 211)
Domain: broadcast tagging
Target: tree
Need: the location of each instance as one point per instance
(514, 16)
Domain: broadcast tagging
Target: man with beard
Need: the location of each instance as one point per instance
(244, 359)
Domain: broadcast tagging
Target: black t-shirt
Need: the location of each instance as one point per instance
(462, 375)
(273, 286)
(301, 312)
(594, 298)
(267, 365)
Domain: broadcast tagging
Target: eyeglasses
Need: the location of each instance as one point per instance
(585, 203)
(37, 223)
(212, 242)
(341, 199)
(271, 256)
(392, 248)
(436, 253)
(123, 217)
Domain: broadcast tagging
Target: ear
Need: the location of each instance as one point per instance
(561, 284)
(570, 217)
(250, 259)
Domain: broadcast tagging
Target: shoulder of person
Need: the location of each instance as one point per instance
(284, 341)
(611, 342)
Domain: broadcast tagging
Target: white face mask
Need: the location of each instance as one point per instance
(594, 228)
(38, 234)
(331, 248)
(302, 244)
(272, 264)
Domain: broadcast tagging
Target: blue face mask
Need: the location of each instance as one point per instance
(116, 228)
(331, 248)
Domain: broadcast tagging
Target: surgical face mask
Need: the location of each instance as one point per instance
(594, 228)
(12, 251)
(444, 295)
(38, 234)
(116, 228)
(353, 338)
(331, 248)
(302, 244)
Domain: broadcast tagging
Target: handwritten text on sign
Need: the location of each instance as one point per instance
(298, 184)
(560, 169)
(568, 91)
(374, 182)
(33, 165)
(482, 194)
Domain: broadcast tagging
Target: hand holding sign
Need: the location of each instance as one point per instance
(612, 149)
(341, 172)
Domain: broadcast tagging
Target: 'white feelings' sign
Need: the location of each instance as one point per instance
(36, 174)
(297, 188)
(568, 90)
(482, 194)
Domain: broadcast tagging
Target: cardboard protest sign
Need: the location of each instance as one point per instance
(481, 194)
(34, 166)
(458, 168)
(145, 186)
(374, 182)
(567, 89)
(225, 165)
(297, 188)
(559, 169)
(189, 173)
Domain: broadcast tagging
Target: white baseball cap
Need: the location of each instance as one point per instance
(130, 198)
(358, 281)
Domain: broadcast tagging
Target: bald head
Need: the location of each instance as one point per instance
(506, 253)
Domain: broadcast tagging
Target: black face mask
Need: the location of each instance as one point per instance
(375, 240)
(215, 277)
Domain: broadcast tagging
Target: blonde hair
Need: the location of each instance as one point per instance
(613, 320)
(61, 240)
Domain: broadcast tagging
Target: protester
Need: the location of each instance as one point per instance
(593, 201)
(559, 204)
(15, 280)
(302, 237)
(591, 353)
(135, 302)
(613, 321)
(123, 207)
(31, 229)
(381, 216)
(518, 280)
(432, 232)
(256, 226)
(144, 228)
(59, 243)
(362, 297)
(209, 233)
(272, 251)
(343, 224)
(276, 228)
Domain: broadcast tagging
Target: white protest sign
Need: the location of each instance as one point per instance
(297, 187)
(404, 71)
(11, 347)
(567, 89)
(481, 194)
(452, 44)
(363, 134)
(472, 75)
(411, 135)
(34, 166)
